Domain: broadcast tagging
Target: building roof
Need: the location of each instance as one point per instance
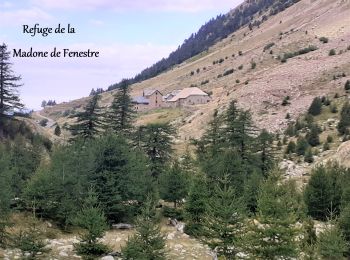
(150, 92)
(171, 94)
(140, 100)
(186, 92)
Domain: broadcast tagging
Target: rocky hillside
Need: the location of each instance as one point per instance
(288, 55)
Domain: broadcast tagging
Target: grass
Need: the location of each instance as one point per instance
(161, 115)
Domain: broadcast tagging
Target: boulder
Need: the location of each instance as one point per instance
(122, 226)
(108, 257)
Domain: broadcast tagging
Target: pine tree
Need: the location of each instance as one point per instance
(344, 123)
(223, 222)
(196, 206)
(331, 244)
(309, 158)
(274, 236)
(315, 107)
(174, 184)
(9, 97)
(156, 141)
(120, 114)
(312, 137)
(148, 242)
(347, 85)
(344, 222)
(323, 192)
(266, 150)
(88, 124)
(92, 219)
(301, 146)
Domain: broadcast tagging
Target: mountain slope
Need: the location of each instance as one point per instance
(263, 88)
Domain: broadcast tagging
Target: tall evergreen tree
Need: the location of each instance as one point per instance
(148, 242)
(312, 137)
(156, 141)
(266, 151)
(89, 123)
(315, 107)
(174, 184)
(223, 222)
(120, 114)
(274, 237)
(344, 123)
(331, 244)
(9, 97)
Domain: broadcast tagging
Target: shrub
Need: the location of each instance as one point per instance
(269, 46)
(57, 130)
(285, 101)
(347, 85)
(309, 158)
(238, 81)
(205, 82)
(332, 52)
(324, 39)
(228, 72)
(192, 73)
(288, 116)
(174, 213)
(315, 107)
(43, 122)
(253, 65)
(329, 139)
(240, 53)
(291, 147)
(289, 55)
(198, 70)
(240, 67)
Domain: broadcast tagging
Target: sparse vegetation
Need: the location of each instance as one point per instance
(289, 55)
(269, 46)
(228, 72)
(323, 39)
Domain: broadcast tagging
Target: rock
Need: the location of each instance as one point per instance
(65, 248)
(108, 257)
(122, 226)
(118, 239)
(63, 253)
(48, 224)
(178, 247)
(185, 235)
(171, 236)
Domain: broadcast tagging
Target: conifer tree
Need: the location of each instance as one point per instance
(120, 114)
(174, 184)
(274, 236)
(148, 242)
(312, 137)
(291, 147)
(266, 151)
(223, 222)
(315, 107)
(92, 219)
(9, 97)
(88, 124)
(344, 123)
(156, 141)
(331, 244)
(323, 192)
(301, 146)
(344, 222)
(196, 206)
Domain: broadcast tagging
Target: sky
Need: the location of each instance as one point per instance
(129, 35)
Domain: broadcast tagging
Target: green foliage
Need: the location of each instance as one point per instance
(323, 192)
(323, 39)
(58, 130)
(174, 184)
(240, 67)
(331, 244)
(251, 189)
(148, 242)
(347, 85)
(228, 72)
(93, 221)
(315, 107)
(88, 122)
(344, 221)
(223, 221)
(30, 241)
(268, 46)
(301, 146)
(156, 141)
(309, 158)
(289, 55)
(120, 114)
(285, 101)
(9, 98)
(196, 206)
(253, 65)
(312, 137)
(344, 123)
(277, 213)
(173, 213)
